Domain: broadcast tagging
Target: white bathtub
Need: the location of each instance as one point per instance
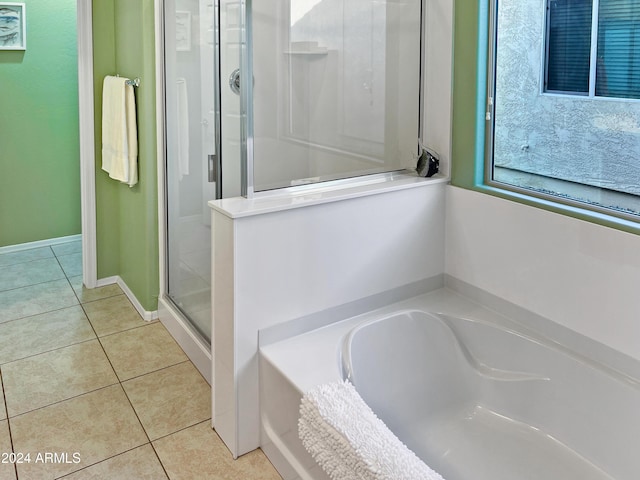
(473, 397)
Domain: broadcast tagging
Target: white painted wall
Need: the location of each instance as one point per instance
(581, 275)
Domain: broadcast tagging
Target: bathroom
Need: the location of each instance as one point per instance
(567, 264)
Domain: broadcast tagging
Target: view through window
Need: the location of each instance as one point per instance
(566, 100)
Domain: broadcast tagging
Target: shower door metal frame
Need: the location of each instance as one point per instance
(178, 325)
(246, 100)
(217, 175)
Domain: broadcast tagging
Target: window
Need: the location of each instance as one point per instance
(574, 66)
(564, 101)
(568, 45)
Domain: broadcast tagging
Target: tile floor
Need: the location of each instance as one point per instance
(91, 391)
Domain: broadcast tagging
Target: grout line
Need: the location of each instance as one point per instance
(153, 447)
(155, 371)
(152, 322)
(36, 284)
(120, 293)
(67, 399)
(26, 261)
(101, 461)
(49, 351)
(66, 277)
(6, 412)
(38, 314)
(199, 422)
(135, 413)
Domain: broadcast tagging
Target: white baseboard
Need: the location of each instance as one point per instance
(145, 314)
(40, 243)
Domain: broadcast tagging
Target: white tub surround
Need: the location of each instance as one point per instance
(472, 393)
(578, 274)
(277, 258)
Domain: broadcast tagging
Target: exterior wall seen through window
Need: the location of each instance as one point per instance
(566, 119)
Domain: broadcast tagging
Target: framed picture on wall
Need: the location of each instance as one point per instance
(13, 26)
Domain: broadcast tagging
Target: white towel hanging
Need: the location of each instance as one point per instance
(119, 130)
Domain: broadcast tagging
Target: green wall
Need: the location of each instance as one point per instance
(465, 58)
(127, 218)
(39, 141)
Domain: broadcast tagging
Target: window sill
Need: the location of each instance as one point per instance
(575, 211)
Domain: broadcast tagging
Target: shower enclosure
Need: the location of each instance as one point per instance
(197, 53)
(262, 95)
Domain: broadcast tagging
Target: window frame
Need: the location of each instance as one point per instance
(485, 132)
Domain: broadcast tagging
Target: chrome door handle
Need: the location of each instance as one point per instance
(234, 81)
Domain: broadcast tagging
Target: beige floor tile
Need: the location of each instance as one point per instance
(198, 452)
(41, 333)
(71, 264)
(25, 256)
(170, 399)
(96, 426)
(51, 377)
(142, 350)
(36, 299)
(140, 464)
(30, 273)
(85, 294)
(112, 315)
(67, 248)
(7, 470)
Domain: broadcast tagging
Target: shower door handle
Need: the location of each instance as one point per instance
(234, 81)
(214, 168)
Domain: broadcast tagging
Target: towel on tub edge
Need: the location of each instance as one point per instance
(350, 442)
(119, 131)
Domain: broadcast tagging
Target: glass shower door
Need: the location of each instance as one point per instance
(195, 146)
(337, 89)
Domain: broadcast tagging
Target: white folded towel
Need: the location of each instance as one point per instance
(119, 131)
(350, 442)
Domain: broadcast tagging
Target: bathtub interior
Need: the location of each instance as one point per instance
(460, 392)
(481, 401)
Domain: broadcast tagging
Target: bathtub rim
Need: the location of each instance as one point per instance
(465, 302)
(515, 329)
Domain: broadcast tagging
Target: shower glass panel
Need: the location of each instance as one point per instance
(336, 89)
(195, 107)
